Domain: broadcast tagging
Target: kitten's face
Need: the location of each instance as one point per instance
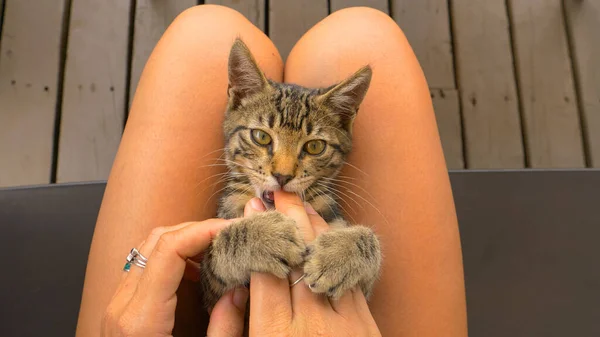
(282, 136)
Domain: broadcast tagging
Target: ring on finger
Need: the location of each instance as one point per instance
(298, 280)
(135, 258)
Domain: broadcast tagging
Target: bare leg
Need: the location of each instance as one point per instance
(160, 177)
(421, 292)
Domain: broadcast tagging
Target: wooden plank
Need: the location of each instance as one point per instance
(94, 91)
(29, 70)
(550, 115)
(487, 85)
(253, 10)
(381, 5)
(289, 20)
(151, 20)
(446, 106)
(1, 16)
(583, 22)
(426, 26)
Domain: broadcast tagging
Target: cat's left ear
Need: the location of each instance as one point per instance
(345, 97)
(245, 77)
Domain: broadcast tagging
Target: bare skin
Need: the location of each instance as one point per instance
(160, 176)
(145, 300)
(397, 146)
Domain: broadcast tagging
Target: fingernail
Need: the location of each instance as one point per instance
(240, 298)
(309, 209)
(257, 205)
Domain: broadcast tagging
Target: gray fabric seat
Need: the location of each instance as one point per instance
(530, 243)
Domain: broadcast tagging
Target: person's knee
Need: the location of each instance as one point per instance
(359, 33)
(211, 17)
(208, 31)
(349, 39)
(360, 16)
(365, 25)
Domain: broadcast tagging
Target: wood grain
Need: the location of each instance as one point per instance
(446, 106)
(253, 10)
(583, 22)
(151, 20)
(381, 5)
(426, 26)
(94, 91)
(1, 16)
(550, 115)
(289, 20)
(487, 85)
(29, 76)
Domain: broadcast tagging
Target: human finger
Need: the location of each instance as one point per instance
(318, 224)
(269, 295)
(346, 305)
(146, 248)
(291, 205)
(267, 309)
(227, 316)
(192, 271)
(362, 307)
(131, 277)
(166, 264)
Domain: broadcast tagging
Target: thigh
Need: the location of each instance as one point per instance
(396, 171)
(164, 172)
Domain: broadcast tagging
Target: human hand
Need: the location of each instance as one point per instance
(145, 300)
(277, 310)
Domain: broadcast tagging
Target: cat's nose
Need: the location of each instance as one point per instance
(282, 179)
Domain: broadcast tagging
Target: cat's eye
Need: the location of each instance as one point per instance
(261, 137)
(314, 147)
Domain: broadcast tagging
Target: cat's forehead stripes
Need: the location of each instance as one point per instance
(294, 107)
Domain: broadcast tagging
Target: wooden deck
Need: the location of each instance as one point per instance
(515, 84)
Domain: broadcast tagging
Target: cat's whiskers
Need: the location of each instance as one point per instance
(331, 127)
(227, 161)
(213, 165)
(356, 168)
(337, 193)
(211, 177)
(367, 201)
(229, 174)
(346, 177)
(224, 180)
(333, 191)
(313, 189)
(338, 181)
(245, 190)
(250, 172)
(211, 152)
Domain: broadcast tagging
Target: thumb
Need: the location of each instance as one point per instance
(255, 205)
(227, 317)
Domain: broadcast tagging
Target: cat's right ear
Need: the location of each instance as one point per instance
(245, 77)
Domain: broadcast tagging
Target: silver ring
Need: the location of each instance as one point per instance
(135, 258)
(139, 263)
(135, 254)
(298, 280)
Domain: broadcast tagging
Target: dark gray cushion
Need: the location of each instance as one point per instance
(530, 245)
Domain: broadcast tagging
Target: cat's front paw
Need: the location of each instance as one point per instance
(267, 242)
(340, 259)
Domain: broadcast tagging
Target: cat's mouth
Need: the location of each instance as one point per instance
(268, 198)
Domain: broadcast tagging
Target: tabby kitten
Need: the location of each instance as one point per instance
(283, 136)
